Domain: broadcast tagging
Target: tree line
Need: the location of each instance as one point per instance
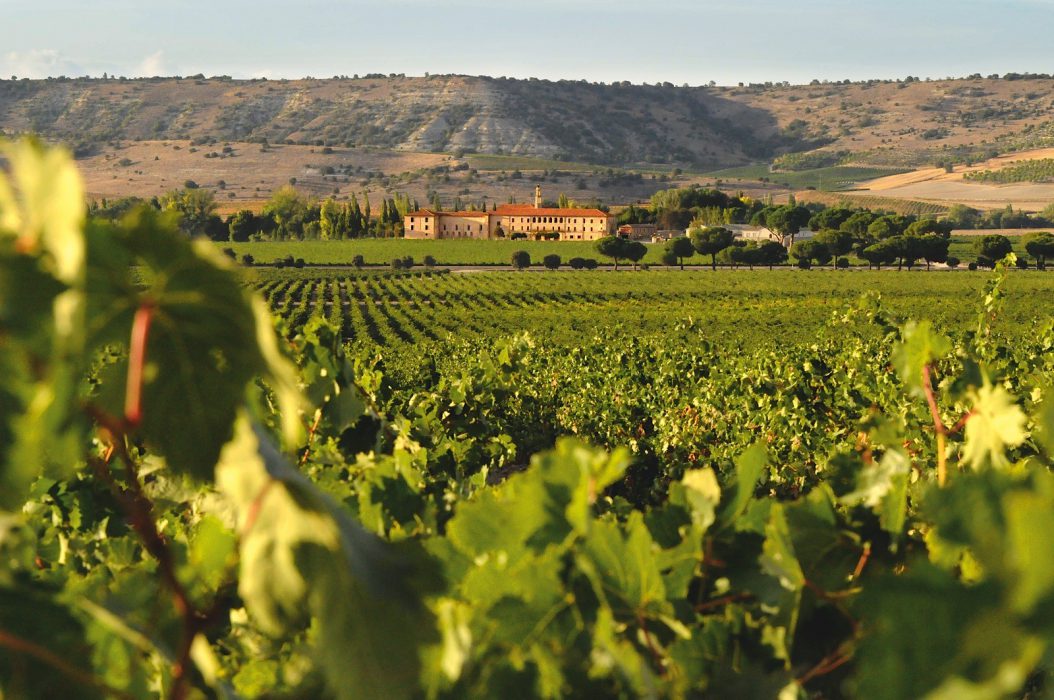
(289, 215)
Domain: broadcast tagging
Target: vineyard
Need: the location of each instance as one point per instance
(793, 485)
(755, 310)
(874, 202)
(1040, 170)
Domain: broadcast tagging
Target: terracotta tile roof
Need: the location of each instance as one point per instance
(529, 210)
(515, 210)
(429, 212)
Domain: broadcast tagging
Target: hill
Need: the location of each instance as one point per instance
(573, 121)
(892, 123)
(470, 137)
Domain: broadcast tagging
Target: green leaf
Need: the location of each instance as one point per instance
(302, 557)
(702, 494)
(613, 653)
(930, 634)
(1045, 422)
(920, 345)
(43, 205)
(882, 486)
(212, 549)
(623, 569)
(200, 351)
(1030, 542)
(777, 558)
(996, 425)
(31, 622)
(750, 467)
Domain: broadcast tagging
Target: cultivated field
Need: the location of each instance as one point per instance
(381, 251)
(936, 186)
(758, 310)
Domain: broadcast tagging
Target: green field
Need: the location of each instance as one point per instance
(728, 307)
(828, 179)
(1041, 170)
(381, 251)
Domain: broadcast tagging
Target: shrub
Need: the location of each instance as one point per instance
(804, 264)
(408, 262)
(972, 266)
(521, 259)
(842, 263)
(577, 263)
(952, 262)
(358, 261)
(299, 262)
(248, 260)
(190, 185)
(229, 252)
(591, 264)
(551, 261)
(429, 261)
(397, 264)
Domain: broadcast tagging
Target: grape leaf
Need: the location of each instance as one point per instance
(750, 467)
(200, 353)
(920, 345)
(31, 622)
(997, 424)
(302, 557)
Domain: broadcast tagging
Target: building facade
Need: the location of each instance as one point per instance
(760, 234)
(533, 222)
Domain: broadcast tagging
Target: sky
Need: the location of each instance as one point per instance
(680, 41)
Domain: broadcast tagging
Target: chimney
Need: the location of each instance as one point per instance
(538, 197)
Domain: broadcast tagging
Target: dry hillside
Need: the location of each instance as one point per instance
(386, 134)
(879, 122)
(566, 120)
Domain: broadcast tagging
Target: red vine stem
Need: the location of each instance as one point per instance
(826, 665)
(139, 509)
(655, 655)
(311, 437)
(938, 425)
(133, 405)
(46, 656)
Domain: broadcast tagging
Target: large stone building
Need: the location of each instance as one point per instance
(534, 222)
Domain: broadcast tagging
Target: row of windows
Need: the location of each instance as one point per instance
(548, 220)
(527, 227)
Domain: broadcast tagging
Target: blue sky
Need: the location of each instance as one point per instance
(676, 40)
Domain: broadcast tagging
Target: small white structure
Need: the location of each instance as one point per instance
(760, 234)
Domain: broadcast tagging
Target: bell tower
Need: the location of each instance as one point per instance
(538, 197)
